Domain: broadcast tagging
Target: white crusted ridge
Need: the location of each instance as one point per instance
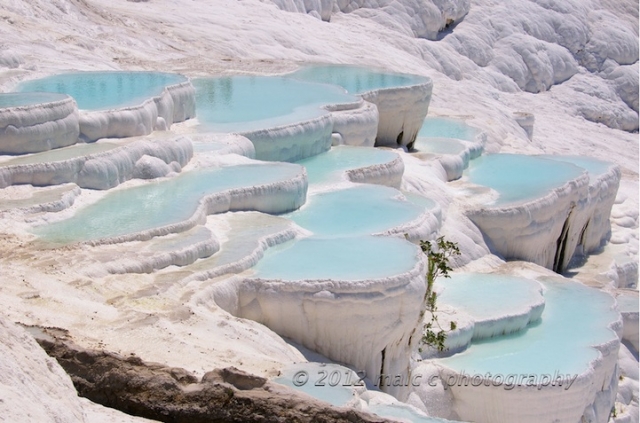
(276, 302)
(277, 197)
(171, 250)
(240, 264)
(104, 170)
(176, 104)
(355, 126)
(293, 142)
(401, 112)
(39, 127)
(454, 164)
(49, 199)
(388, 174)
(589, 394)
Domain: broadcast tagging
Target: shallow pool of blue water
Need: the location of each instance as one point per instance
(519, 178)
(440, 127)
(330, 166)
(356, 80)
(248, 103)
(438, 145)
(351, 258)
(595, 167)
(576, 318)
(362, 210)
(159, 203)
(483, 295)
(105, 90)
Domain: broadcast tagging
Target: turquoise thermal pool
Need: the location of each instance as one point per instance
(405, 413)
(353, 258)
(331, 165)
(28, 99)
(249, 103)
(105, 90)
(575, 319)
(438, 145)
(483, 295)
(595, 167)
(356, 80)
(439, 127)
(160, 202)
(60, 154)
(519, 178)
(363, 210)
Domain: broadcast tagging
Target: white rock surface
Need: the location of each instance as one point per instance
(107, 169)
(34, 387)
(176, 104)
(38, 127)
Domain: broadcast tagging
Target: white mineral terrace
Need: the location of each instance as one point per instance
(213, 183)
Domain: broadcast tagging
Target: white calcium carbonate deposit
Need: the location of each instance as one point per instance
(533, 77)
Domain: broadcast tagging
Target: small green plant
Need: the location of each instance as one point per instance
(438, 253)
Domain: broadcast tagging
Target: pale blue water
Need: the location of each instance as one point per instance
(519, 177)
(354, 258)
(28, 99)
(438, 145)
(159, 203)
(105, 90)
(575, 318)
(438, 127)
(355, 79)
(419, 200)
(595, 167)
(363, 210)
(59, 154)
(331, 165)
(247, 103)
(483, 296)
(399, 412)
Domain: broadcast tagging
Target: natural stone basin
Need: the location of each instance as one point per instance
(177, 203)
(285, 119)
(347, 259)
(105, 90)
(367, 288)
(543, 210)
(441, 127)
(248, 103)
(357, 80)
(341, 163)
(520, 178)
(121, 104)
(481, 297)
(402, 100)
(362, 210)
(552, 365)
(439, 145)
